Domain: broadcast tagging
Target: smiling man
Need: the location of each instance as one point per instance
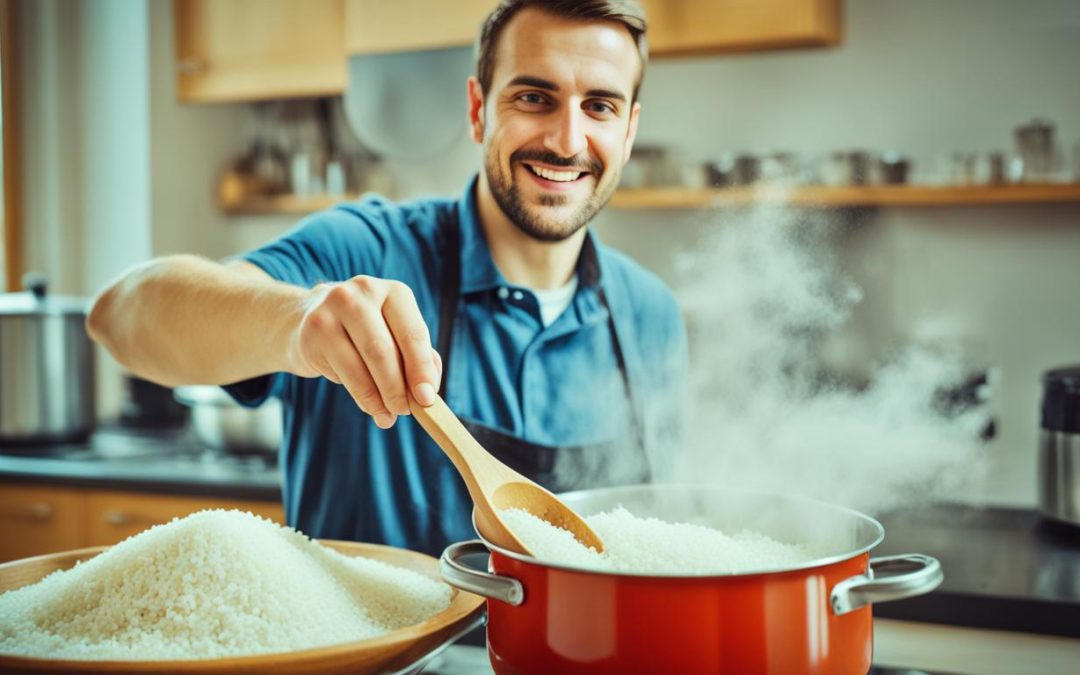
(563, 357)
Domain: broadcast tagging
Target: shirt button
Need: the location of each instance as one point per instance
(503, 293)
(518, 295)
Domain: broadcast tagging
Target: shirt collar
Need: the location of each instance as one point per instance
(478, 270)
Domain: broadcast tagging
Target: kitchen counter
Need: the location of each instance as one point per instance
(145, 461)
(1005, 569)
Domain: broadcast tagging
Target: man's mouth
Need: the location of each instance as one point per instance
(554, 175)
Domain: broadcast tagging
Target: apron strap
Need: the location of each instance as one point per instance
(449, 292)
(450, 297)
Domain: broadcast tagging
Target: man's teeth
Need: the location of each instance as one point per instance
(560, 176)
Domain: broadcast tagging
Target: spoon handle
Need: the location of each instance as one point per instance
(481, 472)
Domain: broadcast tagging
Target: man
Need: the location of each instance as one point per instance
(563, 357)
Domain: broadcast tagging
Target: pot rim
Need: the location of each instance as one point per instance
(810, 564)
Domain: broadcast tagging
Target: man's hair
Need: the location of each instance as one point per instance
(627, 12)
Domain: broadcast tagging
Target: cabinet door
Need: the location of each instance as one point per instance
(237, 50)
(373, 26)
(35, 520)
(115, 516)
(703, 26)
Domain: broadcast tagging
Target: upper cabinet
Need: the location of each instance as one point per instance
(237, 50)
(374, 26)
(240, 50)
(706, 26)
(675, 26)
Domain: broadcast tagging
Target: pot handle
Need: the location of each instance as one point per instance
(491, 586)
(908, 575)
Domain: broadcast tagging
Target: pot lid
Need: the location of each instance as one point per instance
(396, 104)
(36, 300)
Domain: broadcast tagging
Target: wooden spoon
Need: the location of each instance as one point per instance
(494, 486)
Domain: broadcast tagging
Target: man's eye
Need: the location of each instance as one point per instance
(600, 107)
(531, 98)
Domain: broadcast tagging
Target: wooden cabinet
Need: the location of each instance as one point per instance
(706, 26)
(36, 519)
(40, 519)
(675, 26)
(373, 26)
(236, 50)
(240, 50)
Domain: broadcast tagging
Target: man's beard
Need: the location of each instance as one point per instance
(534, 224)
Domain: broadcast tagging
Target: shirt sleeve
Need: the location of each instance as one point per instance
(326, 247)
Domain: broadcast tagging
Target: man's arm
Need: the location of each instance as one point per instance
(182, 319)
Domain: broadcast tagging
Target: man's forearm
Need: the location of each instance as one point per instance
(186, 320)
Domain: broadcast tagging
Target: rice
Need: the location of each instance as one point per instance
(652, 546)
(214, 584)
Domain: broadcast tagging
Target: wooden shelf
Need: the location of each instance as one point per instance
(810, 196)
(284, 204)
(845, 196)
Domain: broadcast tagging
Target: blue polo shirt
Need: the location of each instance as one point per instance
(344, 478)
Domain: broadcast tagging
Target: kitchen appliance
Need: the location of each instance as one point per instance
(811, 617)
(46, 367)
(1059, 445)
(222, 424)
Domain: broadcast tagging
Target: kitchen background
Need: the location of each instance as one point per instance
(129, 151)
(115, 169)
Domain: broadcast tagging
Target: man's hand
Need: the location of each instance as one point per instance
(368, 335)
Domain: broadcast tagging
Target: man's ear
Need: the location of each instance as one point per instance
(631, 132)
(476, 110)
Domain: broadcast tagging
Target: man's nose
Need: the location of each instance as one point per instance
(566, 137)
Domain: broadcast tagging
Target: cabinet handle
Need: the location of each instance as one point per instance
(191, 66)
(36, 511)
(119, 517)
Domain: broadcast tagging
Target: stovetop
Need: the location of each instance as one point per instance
(167, 461)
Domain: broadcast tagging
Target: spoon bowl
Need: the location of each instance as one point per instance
(494, 486)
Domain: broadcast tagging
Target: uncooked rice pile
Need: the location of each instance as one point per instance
(653, 546)
(214, 584)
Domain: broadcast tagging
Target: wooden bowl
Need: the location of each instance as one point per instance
(389, 652)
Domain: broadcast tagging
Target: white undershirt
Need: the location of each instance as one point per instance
(554, 302)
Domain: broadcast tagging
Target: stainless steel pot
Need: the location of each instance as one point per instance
(1059, 445)
(46, 367)
(221, 423)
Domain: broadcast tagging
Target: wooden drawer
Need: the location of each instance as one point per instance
(37, 519)
(115, 516)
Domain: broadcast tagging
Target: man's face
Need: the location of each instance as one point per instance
(558, 123)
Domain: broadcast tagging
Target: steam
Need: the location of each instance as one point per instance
(761, 294)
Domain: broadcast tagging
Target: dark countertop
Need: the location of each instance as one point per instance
(167, 462)
(1005, 569)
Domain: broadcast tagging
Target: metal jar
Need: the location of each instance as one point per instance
(1059, 445)
(813, 617)
(46, 367)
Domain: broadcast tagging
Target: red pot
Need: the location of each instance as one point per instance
(810, 618)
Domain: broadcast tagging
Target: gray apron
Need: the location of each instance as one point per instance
(559, 469)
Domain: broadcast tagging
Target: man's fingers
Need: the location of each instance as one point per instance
(357, 380)
(373, 342)
(414, 342)
(438, 366)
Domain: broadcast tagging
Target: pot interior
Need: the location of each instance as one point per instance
(831, 533)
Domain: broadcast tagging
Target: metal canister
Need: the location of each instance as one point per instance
(46, 367)
(1059, 445)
